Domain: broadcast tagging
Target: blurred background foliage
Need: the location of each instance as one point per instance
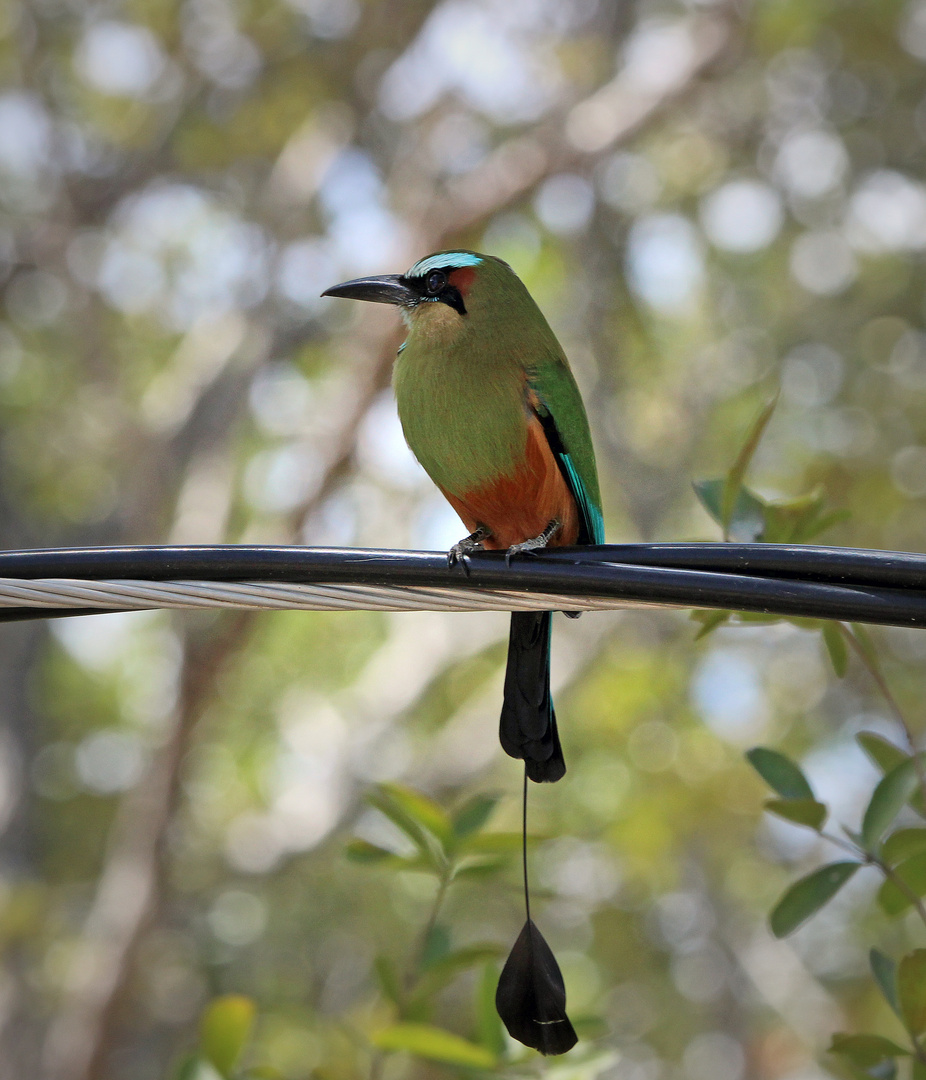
(710, 201)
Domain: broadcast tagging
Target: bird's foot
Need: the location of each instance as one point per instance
(467, 546)
(534, 544)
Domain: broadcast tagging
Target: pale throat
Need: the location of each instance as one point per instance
(434, 324)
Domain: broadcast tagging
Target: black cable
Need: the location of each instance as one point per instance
(857, 566)
(814, 582)
(236, 562)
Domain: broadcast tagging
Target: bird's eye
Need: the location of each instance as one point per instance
(436, 280)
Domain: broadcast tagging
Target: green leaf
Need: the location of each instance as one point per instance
(225, 1029)
(911, 991)
(445, 971)
(387, 975)
(710, 493)
(186, 1067)
(919, 1070)
(193, 1067)
(807, 812)
(411, 828)
(888, 799)
(893, 900)
(836, 646)
(805, 897)
(885, 972)
(473, 814)
(362, 851)
(709, 621)
(902, 844)
(748, 521)
(485, 853)
(453, 963)
(494, 843)
(435, 1044)
(428, 844)
(761, 617)
(886, 755)
(733, 484)
(812, 528)
(866, 1050)
(799, 520)
(882, 752)
(866, 644)
(480, 868)
(489, 1028)
(420, 809)
(436, 946)
(789, 520)
(780, 773)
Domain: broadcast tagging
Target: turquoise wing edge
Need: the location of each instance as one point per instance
(588, 506)
(594, 522)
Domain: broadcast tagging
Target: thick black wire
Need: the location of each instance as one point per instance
(238, 562)
(848, 584)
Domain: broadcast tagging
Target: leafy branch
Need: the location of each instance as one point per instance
(448, 847)
(897, 853)
(746, 516)
(861, 643)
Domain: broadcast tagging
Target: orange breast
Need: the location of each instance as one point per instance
(519, 507)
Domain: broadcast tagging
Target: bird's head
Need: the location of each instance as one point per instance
(444, 286)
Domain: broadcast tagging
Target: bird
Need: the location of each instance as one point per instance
(490, 408)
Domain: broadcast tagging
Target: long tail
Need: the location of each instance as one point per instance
(528, 723)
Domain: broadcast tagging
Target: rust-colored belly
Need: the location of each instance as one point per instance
(519, 506)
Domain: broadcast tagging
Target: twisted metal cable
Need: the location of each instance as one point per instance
(254, 595)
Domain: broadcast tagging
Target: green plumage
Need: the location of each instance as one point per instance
(462, 385)
(491, 410)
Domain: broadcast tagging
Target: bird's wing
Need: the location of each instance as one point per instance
(555, 399)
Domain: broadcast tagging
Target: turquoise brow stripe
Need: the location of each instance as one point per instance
(448, 260)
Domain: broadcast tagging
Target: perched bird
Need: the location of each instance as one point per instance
(490, 408)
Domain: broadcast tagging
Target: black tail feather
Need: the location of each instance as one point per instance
(528, 723)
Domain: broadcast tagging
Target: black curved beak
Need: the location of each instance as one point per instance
(389, 289)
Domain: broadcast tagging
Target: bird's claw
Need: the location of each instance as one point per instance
(464, 547)
(536, 543)
(457, 554)
(527, 548)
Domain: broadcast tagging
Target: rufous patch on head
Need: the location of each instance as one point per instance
(462, 279)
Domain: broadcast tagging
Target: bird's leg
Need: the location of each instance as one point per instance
(468, 544)
(534, 544)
